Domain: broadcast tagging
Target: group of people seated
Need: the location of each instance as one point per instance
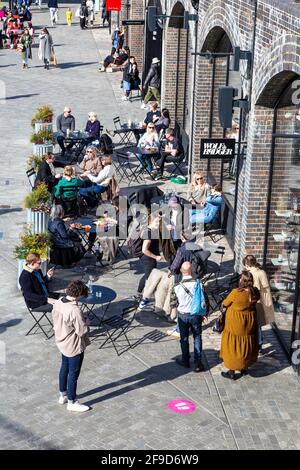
(65, 125)
(14, 22)
(115, 57)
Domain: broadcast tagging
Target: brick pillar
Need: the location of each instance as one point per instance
(252, 202)
(202, 107)
(136, 32)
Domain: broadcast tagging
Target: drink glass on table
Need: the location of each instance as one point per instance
(87, 228)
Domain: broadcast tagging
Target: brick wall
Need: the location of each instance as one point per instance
(136, 32)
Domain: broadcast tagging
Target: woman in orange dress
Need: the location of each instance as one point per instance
(239, 346)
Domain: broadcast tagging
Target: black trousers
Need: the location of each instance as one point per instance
(82, 22)
(166, 158)
(147, 265)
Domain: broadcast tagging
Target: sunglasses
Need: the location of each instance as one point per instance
(151, 127)
(89, 151)
(197, 179)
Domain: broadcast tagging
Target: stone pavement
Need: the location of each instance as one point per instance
(128, 394)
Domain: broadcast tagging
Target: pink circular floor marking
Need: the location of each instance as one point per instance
(182, 406)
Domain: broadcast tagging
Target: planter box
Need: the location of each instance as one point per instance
(38, 221)
(42, 126)
(21, 264)
(42, 149)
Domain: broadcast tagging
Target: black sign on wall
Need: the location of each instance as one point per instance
(132, 22)
(220, 149)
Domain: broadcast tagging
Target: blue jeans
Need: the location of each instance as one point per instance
(89, 193)
(69, 373)
(145, 161)
(197, 216)
(184, 323)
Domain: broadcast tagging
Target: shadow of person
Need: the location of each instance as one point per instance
(153, 375)
(9, 323)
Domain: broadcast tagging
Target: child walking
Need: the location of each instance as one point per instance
(69, 15)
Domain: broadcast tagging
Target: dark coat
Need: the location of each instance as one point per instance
(32, 289)
(44, 175)
(127, 72)
(52, 4)
(153, 77)
(61, 237)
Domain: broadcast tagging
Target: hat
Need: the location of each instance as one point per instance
(155, 60)
(173, 201)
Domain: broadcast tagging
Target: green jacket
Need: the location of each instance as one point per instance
(66, 183)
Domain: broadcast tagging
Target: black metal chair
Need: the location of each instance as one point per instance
(214, 229)
(38, 315)
(73, 205)
(128, 169)
(31, 175)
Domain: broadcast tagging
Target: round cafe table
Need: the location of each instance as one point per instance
(99, 297)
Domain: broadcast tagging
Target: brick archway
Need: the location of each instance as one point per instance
(252, 211)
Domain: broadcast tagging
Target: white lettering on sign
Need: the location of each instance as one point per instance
(211, 148)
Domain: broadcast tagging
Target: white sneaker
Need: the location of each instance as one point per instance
(76, 406)
(63, 400)
(144, 106)
(124, 98)
(173, 333)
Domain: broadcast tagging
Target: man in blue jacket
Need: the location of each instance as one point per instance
(35, 286)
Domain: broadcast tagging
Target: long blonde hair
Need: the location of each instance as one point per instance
(194, 179)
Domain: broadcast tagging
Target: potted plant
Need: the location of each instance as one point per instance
(42, 141)
(34, 161)
(38, 208)
(32, 243)
(42, 119)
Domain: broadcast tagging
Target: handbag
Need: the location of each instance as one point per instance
(20, 47)
(53, 59)
(219, 324)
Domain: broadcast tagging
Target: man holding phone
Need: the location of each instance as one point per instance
(34, 285)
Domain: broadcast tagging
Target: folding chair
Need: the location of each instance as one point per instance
(114, 328)
(127, 169)
(219, 294)
(213, 267)
(177, 166)
(117, 123)
(71, 205)
(213, 230)
(31, 175)
(38, 317)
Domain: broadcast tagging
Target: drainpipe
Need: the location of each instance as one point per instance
(253, 50)
(193, 107)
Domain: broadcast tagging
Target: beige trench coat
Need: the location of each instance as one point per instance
(264, 307)
(160, 285)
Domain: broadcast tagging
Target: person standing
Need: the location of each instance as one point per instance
(153, 83)
(83, 15)
(45, 47)
(69, 15)
(26, 42)
(115, 39)
(264, 307)
(90, 7)
(182, 297)
(53, 9)
(239, 344)
(71, 337)
(150, 250)
(65, 122)
(127, 77)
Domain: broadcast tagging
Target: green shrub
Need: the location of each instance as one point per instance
(43, 114)
(38, 198)
(34, 161)
(42, 137)
(29, 243)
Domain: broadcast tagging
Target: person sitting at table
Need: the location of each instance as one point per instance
(211, 208)
(46, 172)
(93, 129)
(101, 181)
(91, 162)
(109, 59)
(64, 122)
(66, 249)
(34, 285)
(148, 147)
(122, 56)
(153, 114)
(172, 152)
(68, 180)
(200, 189)
(163, 122)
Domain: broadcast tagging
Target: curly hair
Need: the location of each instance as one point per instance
(77, 289)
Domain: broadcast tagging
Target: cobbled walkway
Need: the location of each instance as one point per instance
(128, 394)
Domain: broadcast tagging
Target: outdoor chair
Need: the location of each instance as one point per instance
(213, 229)
(219, 293)
(73, 206)
(117, 123)
(38, 314)
(127, 168)
(31, 175)
(114, 328)
(213, 267)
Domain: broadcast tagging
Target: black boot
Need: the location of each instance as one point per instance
(229, 375)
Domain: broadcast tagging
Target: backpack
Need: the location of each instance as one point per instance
(199, 300)
(199, 267)
(106, 144)
(135, 245)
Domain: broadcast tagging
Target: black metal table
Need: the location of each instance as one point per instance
(101, 297)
